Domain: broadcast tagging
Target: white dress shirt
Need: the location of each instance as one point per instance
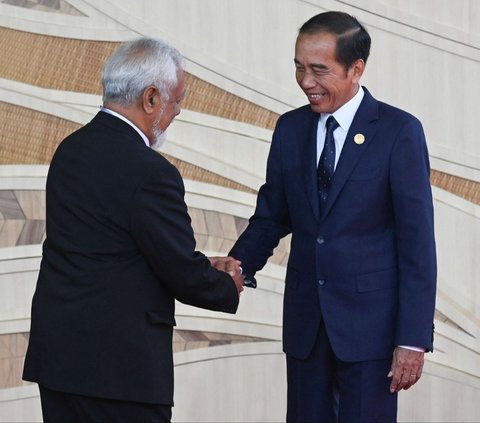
(344, 116)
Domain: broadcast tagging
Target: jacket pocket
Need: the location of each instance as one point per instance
(160, 318)
(384, 279)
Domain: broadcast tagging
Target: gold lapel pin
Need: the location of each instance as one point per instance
(359, 139)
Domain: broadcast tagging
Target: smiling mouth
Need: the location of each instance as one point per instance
(315, 97)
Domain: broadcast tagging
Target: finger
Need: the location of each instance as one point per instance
(238, 283)
(409, 378)
(404, 381)
(399, 379)
(395, 383)
(232, 269)
(218, 262)
(222, 266)
(391, 373)
(413, 380)
(232, 259)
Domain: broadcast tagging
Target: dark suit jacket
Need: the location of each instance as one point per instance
(119, 250)
(367, 265)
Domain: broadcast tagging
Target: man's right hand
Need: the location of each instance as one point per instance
(231, 266)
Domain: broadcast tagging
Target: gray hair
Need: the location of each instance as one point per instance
(138, 64)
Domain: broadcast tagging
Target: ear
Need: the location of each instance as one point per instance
(357, 70)
(150, 98)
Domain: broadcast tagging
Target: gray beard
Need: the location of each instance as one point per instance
(160, 138)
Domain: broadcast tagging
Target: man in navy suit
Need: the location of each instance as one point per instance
(119, 251)
(360, 286)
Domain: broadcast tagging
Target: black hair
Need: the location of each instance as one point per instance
(353, 40)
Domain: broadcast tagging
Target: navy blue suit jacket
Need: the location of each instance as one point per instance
(367, 265)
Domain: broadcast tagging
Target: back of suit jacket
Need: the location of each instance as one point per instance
(365, 265)
(119, 250)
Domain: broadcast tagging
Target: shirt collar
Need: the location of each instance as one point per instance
(345, 114)
(118, 115)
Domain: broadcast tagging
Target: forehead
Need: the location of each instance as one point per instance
(314, 45)
(178, 91)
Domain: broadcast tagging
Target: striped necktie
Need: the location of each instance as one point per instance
(326, 164)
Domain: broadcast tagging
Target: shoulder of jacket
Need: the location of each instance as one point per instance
(155, 164)
(298, 114)
(395, 113)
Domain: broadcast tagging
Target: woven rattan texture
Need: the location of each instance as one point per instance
(76, 65)
(53, 62)
(197, 173)
(465, 188)
(31, 137)
(28, 136)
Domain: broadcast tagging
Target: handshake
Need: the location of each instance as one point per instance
(231, 266)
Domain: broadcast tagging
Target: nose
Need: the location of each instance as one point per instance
(306, 81)
(178, 109)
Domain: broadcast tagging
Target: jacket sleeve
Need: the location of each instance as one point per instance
(162, 230)
(413, 210)
(270, 221)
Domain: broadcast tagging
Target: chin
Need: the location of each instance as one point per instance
(317, 108)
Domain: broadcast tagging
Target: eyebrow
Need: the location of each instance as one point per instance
(181, 96)
(318, 66)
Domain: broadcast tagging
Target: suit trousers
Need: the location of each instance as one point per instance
(325, 389)
(61, 407)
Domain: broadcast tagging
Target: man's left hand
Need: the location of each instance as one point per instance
(406, 370)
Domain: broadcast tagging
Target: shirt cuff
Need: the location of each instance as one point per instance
(408, 347)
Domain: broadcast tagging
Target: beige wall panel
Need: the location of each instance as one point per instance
(248, 44)
(240, 383)
(32, 203)
(20, 404)
(10, 231)
(443, 395)
(458, 243)
(428, 82)
(462, 15)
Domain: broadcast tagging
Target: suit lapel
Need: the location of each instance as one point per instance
(364, 123)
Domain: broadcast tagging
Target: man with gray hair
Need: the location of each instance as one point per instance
(119, 250)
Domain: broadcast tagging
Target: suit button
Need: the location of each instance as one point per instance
(320, 240)
(321, 282)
